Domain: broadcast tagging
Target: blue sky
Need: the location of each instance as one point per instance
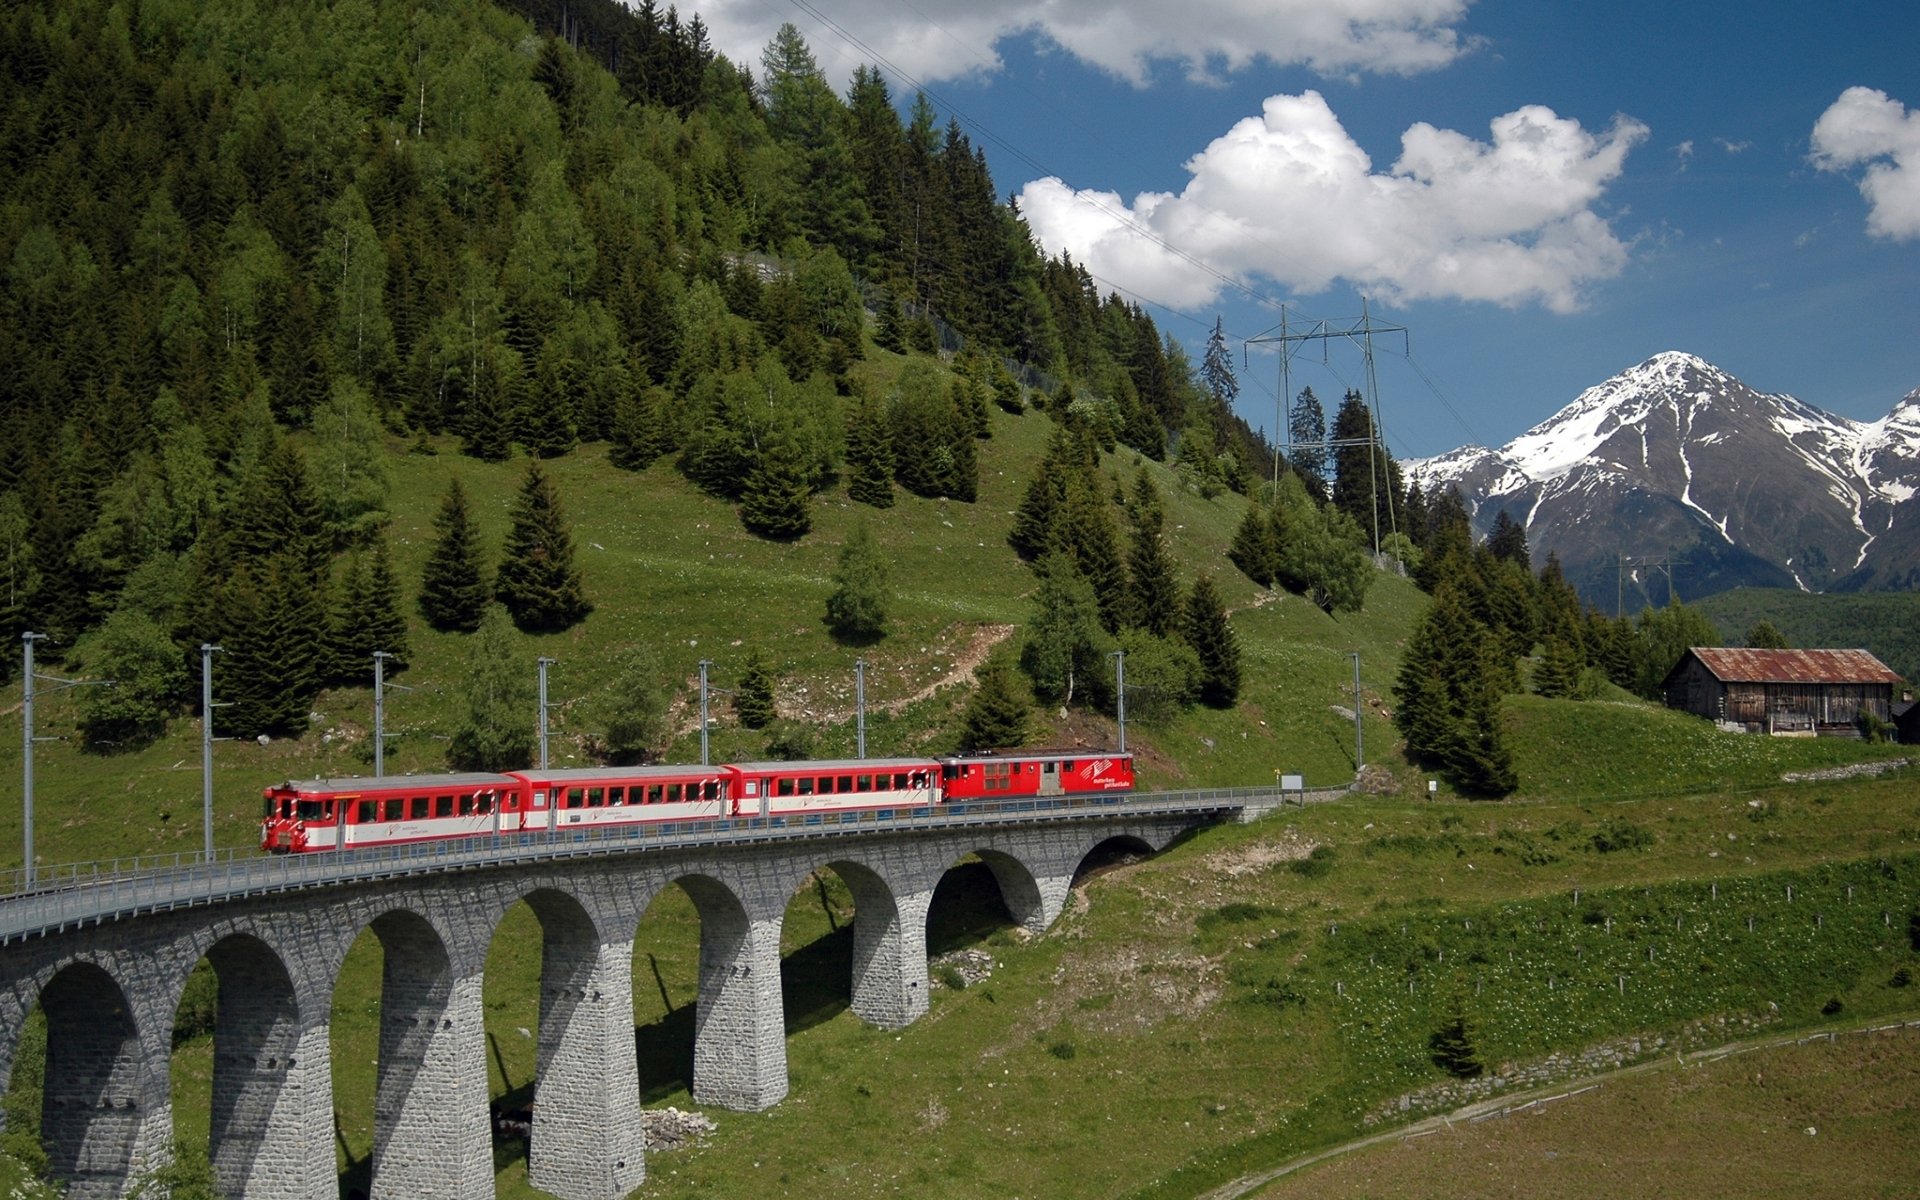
(1544, 194)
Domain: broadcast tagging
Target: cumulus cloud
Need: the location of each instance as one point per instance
(1125, 37)
(1291, 197)
(1867, 127)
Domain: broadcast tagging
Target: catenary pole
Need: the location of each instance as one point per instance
(860, 706)
(207, 651)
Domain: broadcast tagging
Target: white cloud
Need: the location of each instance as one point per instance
(1733, 147)
(1867, 127)
(1684, 152)
(1126, 37)
(1291, 197)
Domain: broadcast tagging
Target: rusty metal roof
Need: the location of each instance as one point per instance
(1731, 665)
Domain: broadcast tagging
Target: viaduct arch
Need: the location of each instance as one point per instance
(111, 990)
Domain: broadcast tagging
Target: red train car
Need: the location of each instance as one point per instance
(1018, 776)
(341, 814)
(771, 789)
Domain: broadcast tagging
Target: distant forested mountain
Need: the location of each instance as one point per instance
(223, 223)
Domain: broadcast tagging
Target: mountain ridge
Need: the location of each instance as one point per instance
(1677, 459)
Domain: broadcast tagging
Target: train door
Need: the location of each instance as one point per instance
(1050, 778)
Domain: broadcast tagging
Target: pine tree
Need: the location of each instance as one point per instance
(1207, 630)
(496, 733)
(1086, 533)
(857, 608)
(1253, 548)
(1481, 761)
(1765, 635)
(537, 580)
(375, 608)
(753, 699)
(636, 429)
(777, 502)
(1216, 367)
(1307, 435)
(870, 455)
(1452, 1046)
(996, 714)
(1508, 541)
(453, 588)
(1154, 593)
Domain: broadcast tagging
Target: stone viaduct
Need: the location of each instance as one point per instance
(110, 987)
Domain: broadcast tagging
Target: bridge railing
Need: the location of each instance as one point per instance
(91, 892)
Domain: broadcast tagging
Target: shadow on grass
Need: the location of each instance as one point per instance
(817, 980)
(967, 909)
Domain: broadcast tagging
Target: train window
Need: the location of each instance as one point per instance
(1066, 768)
(574, 797)
(309, 810)
(1049, 768)
(673, 793)
(417, 808)
(396, 807)
(846, 783)
(617, 796)
(863, 783)
(369, 812)
(950, 771)
(266, 811)
(785, 787)
(443, 806)
(753, 788)
(805, 785)
(654, 793)
(483, 803)
(466, 804)
(596, 797)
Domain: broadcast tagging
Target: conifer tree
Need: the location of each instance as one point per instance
(996, 714)
(1437, 662)
(374, 613)
(1508, 541)
(1765, 635)
(1216, 367)
(1452, 1044)
(870, 455)
(1207, 630)
(777, 502)
(1307, 434)
(1253, 548)
(341, 658)
(1086, 534)
(496, 733)
(636, 436)
(1154, 593)
(1481, 761)
(857, 608)
(632, 710)
(753, 699)
(453, 588)
(537, 580)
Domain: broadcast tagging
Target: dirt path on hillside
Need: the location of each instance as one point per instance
(1530, 1098)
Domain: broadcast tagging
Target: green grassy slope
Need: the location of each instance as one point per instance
(667, 565)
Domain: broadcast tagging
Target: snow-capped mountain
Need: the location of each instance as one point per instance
(1676, 458)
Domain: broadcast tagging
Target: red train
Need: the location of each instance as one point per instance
(335, 814)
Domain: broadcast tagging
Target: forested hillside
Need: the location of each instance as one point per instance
(248, 247)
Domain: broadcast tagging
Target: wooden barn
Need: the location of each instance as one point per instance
(1783, 691)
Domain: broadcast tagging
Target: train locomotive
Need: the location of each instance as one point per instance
(307, 816)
